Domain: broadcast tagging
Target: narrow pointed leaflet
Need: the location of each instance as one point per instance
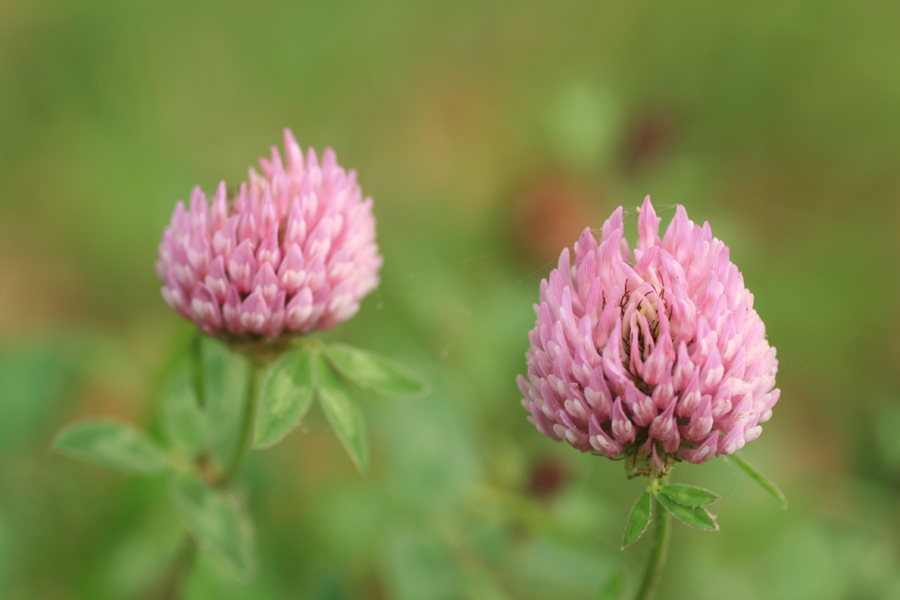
(342, 413)
(688, 495)
(638, 520)
(286, 395)
(695, 516)
(369, 370)
(112, 445)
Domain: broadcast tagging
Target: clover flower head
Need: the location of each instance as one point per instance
(292, 252)
(658, 358)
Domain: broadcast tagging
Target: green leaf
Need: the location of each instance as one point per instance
(183, 422)
(688, 495)
(369, 370)
(614, 587)
(343, 413)
(113, 445)
(217, 521)
(638, 520)
(286, 395)
(760, 479)
(225, 381)
(695, 516)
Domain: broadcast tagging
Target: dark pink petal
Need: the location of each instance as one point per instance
(705, 451)
(701, 421)
(622, 427)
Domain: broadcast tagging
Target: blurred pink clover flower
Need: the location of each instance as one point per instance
(293, 252)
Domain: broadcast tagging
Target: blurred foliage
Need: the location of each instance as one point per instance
(489, 134)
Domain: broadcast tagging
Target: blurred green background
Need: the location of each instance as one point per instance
(489, 135)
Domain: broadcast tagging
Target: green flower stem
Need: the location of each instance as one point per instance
(250, 404)
(657, 559)
(172, 586)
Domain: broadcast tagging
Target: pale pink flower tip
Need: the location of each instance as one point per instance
(292, 252)
(661, 356)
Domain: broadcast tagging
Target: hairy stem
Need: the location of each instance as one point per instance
(657, 559)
